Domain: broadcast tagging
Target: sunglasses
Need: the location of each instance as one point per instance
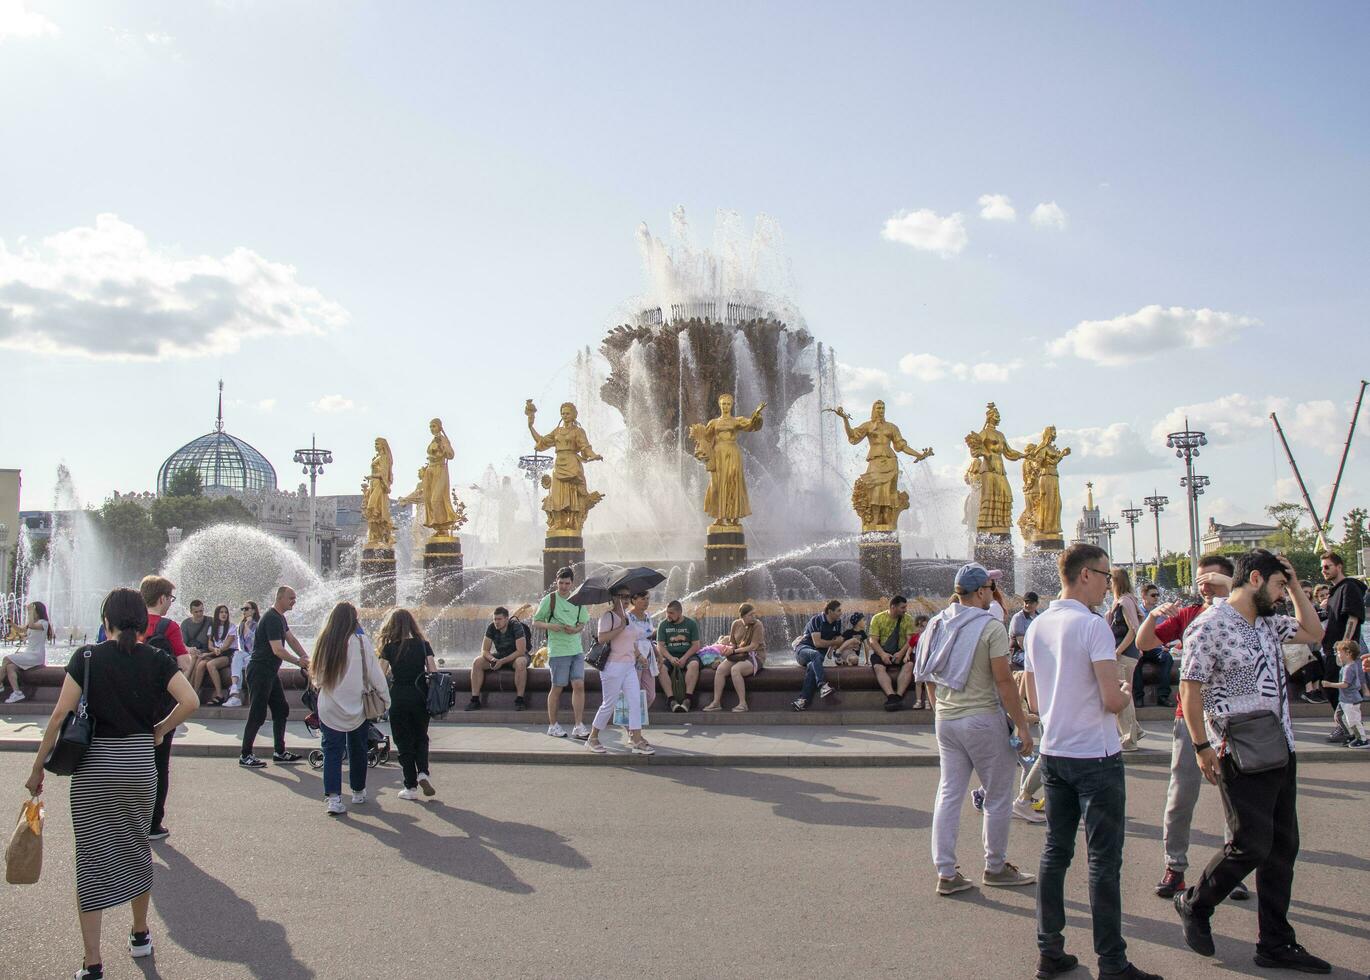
(638, 595)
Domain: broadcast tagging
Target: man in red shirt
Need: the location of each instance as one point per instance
(165, 634)
(1214, 584)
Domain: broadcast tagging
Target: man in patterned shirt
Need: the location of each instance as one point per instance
(1233, 664)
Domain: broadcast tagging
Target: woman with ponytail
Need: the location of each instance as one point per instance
(126, 684)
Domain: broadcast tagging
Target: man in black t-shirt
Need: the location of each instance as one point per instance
(264, 682)
(1345, 614)
(505, 647)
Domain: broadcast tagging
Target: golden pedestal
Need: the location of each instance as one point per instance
(378, 578)
(725, 553)
(562, 550)
(442, 570)
(882, 558)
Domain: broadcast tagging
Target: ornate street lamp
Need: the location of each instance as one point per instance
(1186, 444)
(312, 462)
(1157, 504)
(1195, 485)
(1108, 527)
(533, 466)
(1132, 515)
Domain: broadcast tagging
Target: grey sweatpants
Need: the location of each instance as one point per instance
(979, 744)
(1180, 799)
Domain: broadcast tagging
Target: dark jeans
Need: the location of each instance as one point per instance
(1331, 670)
(1161, 657)
(1264, 825)
(162, 755)
(409, 726)
(335, 744)
(811, 659)
(264, 691)
(1094, 789)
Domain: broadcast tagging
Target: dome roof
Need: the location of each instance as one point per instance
(224, 462)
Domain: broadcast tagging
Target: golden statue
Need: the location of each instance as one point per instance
(435, 486)
(875, 494)
(989, 449)
(1042, 507)
(568, 500)
(716, 444)
(380, 529)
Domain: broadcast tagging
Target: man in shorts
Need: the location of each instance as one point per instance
(564, 622)
(677, 647)
(505, 647)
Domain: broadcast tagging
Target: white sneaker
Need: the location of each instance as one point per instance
(15, 697)
(183, 729)
(138, 949)
(426, 784)
(825, 690)
(555, 730)
(1022, 809)
(335, 806)
(409, 794)
(359, 797)
(233, 701)
(580, 732)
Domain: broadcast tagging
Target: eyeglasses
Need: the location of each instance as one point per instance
(1098, 571)
(620, 595)
(638, 595)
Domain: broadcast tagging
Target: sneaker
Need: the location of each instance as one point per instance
(139, 944)
(473, 704)
(825, 690)
(1007, 877)
(686, 704)
(1313, 697)
(800, 704)
(233, 701)
(1171, 883)
(556, 731)
(158, 833)
(1292, 957)
(14, 698)
(1051, 966)
(519, 703)
(335, 806)
(1198, 935)
(1129, 972)
(1358, 743)
(674, 704)
(1240, 893)
(359, 797)
(1338, 736)
(408, 794)
(1040, 804)
(950, 886)
(96, 972)
(977, 797)
(893, 702)
(426, 784)
(580, 732)
(1022, 809)
(251, 762)
(285, 757)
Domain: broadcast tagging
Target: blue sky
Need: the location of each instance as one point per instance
(396, 211)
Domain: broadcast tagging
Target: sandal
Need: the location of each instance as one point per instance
(712, 707)
(217, 702)
(643, 747)
(740, 707)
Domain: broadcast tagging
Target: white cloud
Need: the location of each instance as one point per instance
(16, 20)
(987, 371)
(1150, 331)
(1320, 425)
(1115, 448)
(158, 38)
(332, 404)
(926, 230)
(122, 35)
(266, 406)
(104, 291)
(1049, 214)
(997, 207)
(853, 380)
(930, 367)
(925, 367)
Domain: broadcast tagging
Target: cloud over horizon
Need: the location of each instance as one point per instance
(1151, 331)
(16, 20)
(997, 207)
(927, 231)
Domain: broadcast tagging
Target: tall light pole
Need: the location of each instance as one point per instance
(1186, 444)
(1195, 485)
(1157, 504)
(1108, 527)
(1132, 515)
(313, 461)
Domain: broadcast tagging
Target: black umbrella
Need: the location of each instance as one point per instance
(593, 591)
(640, 579)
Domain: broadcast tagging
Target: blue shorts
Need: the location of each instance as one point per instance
(567, 669)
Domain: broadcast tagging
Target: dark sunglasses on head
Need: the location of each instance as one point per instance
(638, 595)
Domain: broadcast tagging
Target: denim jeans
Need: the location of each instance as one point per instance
(811, 659)
(335, 743)
(1094, 789)
(1163, 660)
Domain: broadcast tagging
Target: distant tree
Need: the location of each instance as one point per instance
(185, 483)
(137, 544)
(1355, 539)
(194, 513)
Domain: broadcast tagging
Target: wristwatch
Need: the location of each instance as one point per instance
(1200, 746)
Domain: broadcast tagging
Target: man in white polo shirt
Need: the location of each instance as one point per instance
(1073, 685)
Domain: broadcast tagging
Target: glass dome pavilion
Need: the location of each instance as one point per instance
(226, 464)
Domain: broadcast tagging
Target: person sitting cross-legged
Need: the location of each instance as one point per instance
(505, 647)
(890, 657)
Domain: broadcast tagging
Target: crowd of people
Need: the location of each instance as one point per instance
(1064, 680)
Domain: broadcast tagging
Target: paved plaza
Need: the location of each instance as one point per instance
(700, 871)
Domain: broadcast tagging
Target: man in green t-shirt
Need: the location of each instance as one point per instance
(890, 657)
(677, 644)
(564, 622)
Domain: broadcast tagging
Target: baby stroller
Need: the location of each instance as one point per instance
(377, 748)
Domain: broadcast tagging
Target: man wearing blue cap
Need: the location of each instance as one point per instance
(964, 652)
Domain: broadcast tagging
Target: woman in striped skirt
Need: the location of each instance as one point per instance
(136, 695)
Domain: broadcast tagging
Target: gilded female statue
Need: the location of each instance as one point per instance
(989, 449)
(380, 530)
(1045, 457)
(568, 500)
(876, 495)
(436, 485)
(725, 500)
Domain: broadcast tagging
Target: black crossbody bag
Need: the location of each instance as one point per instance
(1255, 739)
(78, 729)
(598, 657)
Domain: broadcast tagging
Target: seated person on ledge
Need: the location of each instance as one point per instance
(746, 656)
(848, 653)
(890, 656)
(677, 650)
(505, 647)
(822, 633)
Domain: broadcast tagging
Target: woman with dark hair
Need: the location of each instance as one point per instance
(126, 684)
(246, 634)
(342, 664)
(223, 638)
(408, 658)
(1124, 618)
(38, 631)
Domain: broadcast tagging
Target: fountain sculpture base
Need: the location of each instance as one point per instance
(882, 559)
(995, 551)
(725, 553)
(442, 571)
(378, 578)
(561, 551)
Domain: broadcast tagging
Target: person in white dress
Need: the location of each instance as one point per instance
(34, 653)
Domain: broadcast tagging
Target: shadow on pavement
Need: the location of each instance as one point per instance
(182, 895)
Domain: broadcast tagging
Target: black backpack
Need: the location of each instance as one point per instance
(158, 637)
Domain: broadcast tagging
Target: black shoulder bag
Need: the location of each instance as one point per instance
(598, 657)
(1255, 739)
(78, 728)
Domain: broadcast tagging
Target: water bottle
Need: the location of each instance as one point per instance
(1026, 761)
